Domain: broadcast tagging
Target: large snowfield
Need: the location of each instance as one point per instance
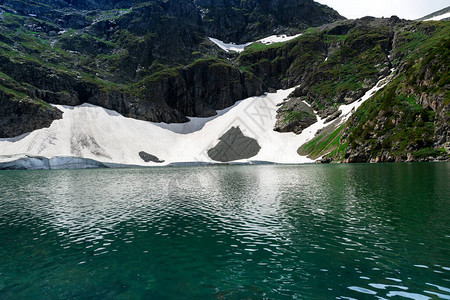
(92, 132)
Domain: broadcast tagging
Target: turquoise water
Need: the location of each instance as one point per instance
(227, 232)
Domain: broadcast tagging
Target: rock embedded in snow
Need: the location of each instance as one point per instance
(148, 157)
(120, 139)
(333, 116)
(294, 116)
(234, 145)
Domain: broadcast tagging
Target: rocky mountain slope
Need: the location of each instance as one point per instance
(139, 58)
(336, 64)
(153, 61)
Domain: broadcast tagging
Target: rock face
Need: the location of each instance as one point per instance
(243, 21)
(201, 88)
(20, 116)
(234, 145)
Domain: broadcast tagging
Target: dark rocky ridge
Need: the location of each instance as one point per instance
(19, 117)
(243, 21)
(238, 21)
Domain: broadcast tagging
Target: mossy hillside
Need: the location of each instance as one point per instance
(295, 115)
(281, 65)
(329, 66)
(392, 122)
(411, 113)
(359, 59)
(122, 56)
(84, 43)
(328, 143)
(426, 67)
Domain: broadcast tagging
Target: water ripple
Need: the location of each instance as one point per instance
(235, 232)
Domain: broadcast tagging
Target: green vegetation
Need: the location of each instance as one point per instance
(429, 152)
(255, 47)
(296, 115)
(397, 118)
(13, 93)
(327, 143)
(393, 120)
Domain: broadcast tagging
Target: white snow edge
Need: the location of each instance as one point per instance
(440, 17)
(241, 47)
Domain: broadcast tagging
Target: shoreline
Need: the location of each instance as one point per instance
(29, 163)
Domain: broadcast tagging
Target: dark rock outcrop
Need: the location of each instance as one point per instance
(294, 116)
(21, 116)
(234, 145)
(149, 157)
(201, 88)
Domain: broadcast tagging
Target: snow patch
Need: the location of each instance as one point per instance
(440, 17)
(229, 46)
(240, 47)
(277, 39)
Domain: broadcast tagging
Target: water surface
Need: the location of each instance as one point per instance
(227, 232)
